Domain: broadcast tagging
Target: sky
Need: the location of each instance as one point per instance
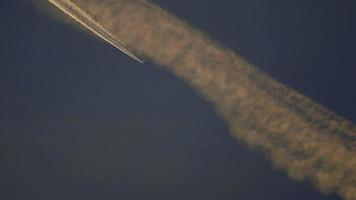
(81, 120)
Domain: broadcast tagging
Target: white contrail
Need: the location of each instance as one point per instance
(79, 15)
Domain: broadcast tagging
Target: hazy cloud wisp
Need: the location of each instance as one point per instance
(301, 137)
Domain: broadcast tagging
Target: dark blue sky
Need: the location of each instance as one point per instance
(81, 120)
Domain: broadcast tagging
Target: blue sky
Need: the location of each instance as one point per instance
(81, 120)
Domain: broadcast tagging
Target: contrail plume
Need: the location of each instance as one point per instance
(300, 136)
(79, 15)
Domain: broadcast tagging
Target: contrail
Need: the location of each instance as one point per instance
(300, 136)
(79, 15)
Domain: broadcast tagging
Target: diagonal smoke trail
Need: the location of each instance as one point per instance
(301, 137)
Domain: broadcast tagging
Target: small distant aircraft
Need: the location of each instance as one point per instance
(82, 17)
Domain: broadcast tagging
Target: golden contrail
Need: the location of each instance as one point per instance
(300, 136)
(79, 15)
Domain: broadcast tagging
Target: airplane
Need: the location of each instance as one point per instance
(82, 17)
